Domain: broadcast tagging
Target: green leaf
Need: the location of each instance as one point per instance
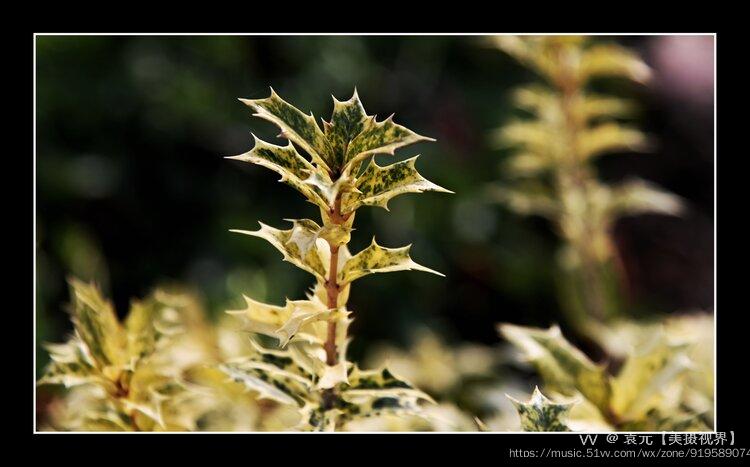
(377, 185)
(299, 245)
(377, 259)
(297, 127)
(294, 169)
(563, 368)
(541, 414)
(96, 324)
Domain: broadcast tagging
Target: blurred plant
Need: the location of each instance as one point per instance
(127, 376)
(311, 372)
(654, 390)
(453, 375)
(553, 173)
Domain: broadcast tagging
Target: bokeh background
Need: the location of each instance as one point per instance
(133, 192)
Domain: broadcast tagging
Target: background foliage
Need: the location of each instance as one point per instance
(132, 190)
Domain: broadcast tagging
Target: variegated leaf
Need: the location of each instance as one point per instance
(347, 121)
(71, 365)
(563, 367)
(541, 414)
(298, 245)
(282, 323)
(265, 375)
(377, 392)
(646, 374)
(377, 185)
(377, 259)
(297, 127)
(382, 137)
(96, 324)
(294, 169)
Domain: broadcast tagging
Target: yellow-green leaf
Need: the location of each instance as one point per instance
(377, 259)
(382, 137)
(297, 127)
(647, 372)
(299, 245)
(377, 185)
(638, 196)
(294, 169)
(612, 60)
(563, 367)
(542, 414)
(609, 137)
(282, 323)
(96, 324)
(347, 121)
(271, 376)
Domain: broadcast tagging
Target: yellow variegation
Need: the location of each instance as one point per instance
(127, 377)
(298, 245)
(541, 414)
(310, 372)
(562, 366)
(377, 259)
(647, 393)
(295, 126)
(552, 174)
(377, 185)
(294, 169)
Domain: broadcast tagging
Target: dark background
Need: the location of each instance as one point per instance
(132, 189)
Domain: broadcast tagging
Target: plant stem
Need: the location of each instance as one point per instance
(332, 286)
(573, 176)
(332, 290)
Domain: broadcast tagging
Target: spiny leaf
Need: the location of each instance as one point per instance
(377, 392)
(382, 137)
(299, 245)
(541, 414)
(70, 365)
(377, 259)
(282, 323)
(647, 372)
(377, 185)
(96, 323)
(294, 169)
(297, 127)
(347, 121)
(563, 367)
(265, 375)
